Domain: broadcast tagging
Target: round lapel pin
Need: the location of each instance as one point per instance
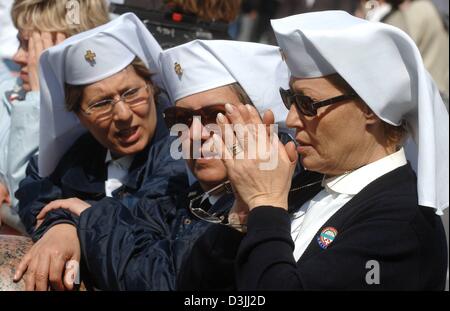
(326, 237)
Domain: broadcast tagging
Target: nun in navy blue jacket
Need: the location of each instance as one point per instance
(104, 81)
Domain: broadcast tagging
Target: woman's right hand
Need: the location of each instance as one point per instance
(48, 258)
(256, 183)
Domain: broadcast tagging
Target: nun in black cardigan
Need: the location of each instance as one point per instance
(359, 217)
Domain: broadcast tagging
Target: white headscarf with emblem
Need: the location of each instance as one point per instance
(83, 59)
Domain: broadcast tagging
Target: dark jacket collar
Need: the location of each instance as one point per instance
(395, 180)
(136, 172)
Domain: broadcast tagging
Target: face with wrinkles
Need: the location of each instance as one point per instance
(130, 126)
(209, 172)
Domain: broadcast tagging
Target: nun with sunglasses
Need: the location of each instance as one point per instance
(231, 69)
(103, 146)
(371, 222)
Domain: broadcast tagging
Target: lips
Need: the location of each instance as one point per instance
(302, 147)
(24, 75)
(302, 143)
(127, 132)
(129, 135)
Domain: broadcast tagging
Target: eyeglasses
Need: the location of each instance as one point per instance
(179, 115)
(221, 219)
(205, 215)
(104, 108)
(306, 105)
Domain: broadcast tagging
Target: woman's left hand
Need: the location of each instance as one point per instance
(264, 177)
(37, 44)
(73, 205)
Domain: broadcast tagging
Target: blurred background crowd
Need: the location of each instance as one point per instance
(176, 22)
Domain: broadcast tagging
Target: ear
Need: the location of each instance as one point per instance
(369, 115)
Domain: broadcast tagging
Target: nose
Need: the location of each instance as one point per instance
(21, 57)
(294, 119)
(122, 112)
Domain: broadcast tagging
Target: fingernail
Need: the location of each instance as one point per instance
(220, 118)
(249, 108)
(229, 108)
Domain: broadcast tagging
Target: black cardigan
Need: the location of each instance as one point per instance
(382, 223)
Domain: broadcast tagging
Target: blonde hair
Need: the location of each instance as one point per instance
(74, 93)
(51, 15)
(211, 10)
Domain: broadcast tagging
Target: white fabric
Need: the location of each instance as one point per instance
(206, 65)
(115, 44)
(354, 182)
(8, 33)
(111, 56)
(117, 171)
(337, 192)
(384, 67)
(213, 198)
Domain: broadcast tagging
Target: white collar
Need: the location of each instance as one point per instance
(213, 198)
(353, 182)
(123, 162)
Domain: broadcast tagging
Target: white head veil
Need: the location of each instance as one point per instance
(200, 65)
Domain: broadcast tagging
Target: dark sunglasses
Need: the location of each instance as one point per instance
(179, 115)
(306, 106)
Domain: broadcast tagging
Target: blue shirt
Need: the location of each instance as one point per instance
(19, 133)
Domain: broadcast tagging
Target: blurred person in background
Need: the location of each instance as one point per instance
(8, 41)
(176, 22)
(426, 22)
(256, 15)
(205, 10)
(210, 10)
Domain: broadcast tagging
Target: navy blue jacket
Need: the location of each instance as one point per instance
(382, 223)
(124, 245)
(154, 178)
